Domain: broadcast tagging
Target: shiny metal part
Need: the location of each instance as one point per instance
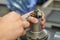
(37, 27)
(36, 32)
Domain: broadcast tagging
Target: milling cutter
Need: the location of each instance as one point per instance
(36, 32)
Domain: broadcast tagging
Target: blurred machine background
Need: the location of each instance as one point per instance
(51, 9)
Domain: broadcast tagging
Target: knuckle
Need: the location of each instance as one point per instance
(26, 24)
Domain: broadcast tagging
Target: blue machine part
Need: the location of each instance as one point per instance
(21, 6)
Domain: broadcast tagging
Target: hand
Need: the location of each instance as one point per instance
(34, 20)
(43, 20)
(12, 25)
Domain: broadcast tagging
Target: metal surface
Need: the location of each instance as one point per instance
(37, 27)
(53, 5)
(2, 1)
(54, 16)
(36, 32)
(57, 36)
(51, 34)
(3, 10)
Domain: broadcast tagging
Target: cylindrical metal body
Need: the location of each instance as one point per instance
(36, 27)
(36, 32)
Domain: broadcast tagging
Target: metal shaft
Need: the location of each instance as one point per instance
(37, 27)
(36, 32)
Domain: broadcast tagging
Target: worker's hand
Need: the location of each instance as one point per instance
(43, 20)
(12, 26)
(34, 20)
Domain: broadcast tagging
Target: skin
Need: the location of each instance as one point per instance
(12, 25)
